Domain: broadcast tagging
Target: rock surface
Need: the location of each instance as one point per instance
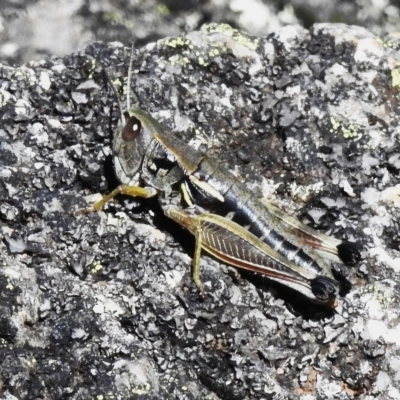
(103, 306)
(35, 29)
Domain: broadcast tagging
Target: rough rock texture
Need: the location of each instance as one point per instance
(103, 306)
(31, 30)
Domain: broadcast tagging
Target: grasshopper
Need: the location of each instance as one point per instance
(237, 227)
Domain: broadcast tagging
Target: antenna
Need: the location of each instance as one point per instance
(128, 90)
(114, 89)
(128, 94)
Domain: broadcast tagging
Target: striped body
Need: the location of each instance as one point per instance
(251, 212)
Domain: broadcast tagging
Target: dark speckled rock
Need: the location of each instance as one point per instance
(103, 307)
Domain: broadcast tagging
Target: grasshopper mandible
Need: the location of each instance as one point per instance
(272, 243)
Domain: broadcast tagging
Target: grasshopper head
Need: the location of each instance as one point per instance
(131, 143)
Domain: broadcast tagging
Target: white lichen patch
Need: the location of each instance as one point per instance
(343, 33)
(137, 377)
(290, 36)
(108, 305)
(150, 233)
(305, 192)
(173, 278)
(369, 51)
(382, 256)
(345, 185)
(390, 195)
(29, 298)
(27, 73)
(5, 97)
(338, 74)
(268, 187)
(38, 133)
(44, 80)
(22, 107)
(375, 329)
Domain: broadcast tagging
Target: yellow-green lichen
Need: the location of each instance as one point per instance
(89, 67)
(141, 389)
(114, 18)
(395, 75)
(212, 45)
(381, 294)
(108, 396)
(9, 286)
(201, 61)
(27, 73)
(185, 50)
(235, 34)
(348, 129)
(214, 53)
(162, 9)
(389, 43)
(392, 43)
(96, 267)
(177, 42)
(178, 60)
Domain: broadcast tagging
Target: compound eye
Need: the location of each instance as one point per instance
(131, 129)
